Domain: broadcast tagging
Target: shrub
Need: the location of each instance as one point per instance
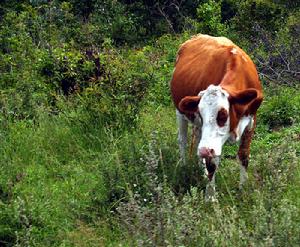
(282, 109)
(266, 14)
(277, 55)
(210, 17)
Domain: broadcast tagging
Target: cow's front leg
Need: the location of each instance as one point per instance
(182, 134)
(210, 170)
(244, 152)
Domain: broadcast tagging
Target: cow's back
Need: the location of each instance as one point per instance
(201, 61)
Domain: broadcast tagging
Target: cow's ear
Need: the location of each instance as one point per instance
(243, 97)
(189, 104)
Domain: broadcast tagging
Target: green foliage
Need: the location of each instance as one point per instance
(111, 20)
(210, 16)
(265, 14)
(163, 64)
(21, 87)
(276, 54)
(252, 217)
(51, 181)
(281, 109)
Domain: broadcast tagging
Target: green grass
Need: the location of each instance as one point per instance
(66, 180)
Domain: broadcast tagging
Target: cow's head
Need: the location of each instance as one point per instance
(214, 105)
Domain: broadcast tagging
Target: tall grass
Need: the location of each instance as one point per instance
(263, 214)
(68, 180)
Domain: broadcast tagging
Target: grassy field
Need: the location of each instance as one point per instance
(66, 180)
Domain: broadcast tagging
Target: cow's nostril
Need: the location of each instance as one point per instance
(203, 152)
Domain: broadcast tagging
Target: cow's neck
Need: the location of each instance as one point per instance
(238, 120)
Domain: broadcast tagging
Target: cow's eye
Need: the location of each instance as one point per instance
(222, 117)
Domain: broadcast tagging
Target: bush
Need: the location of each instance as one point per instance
(250, 13)
(281, 109)
(210, 17)
(277, 55)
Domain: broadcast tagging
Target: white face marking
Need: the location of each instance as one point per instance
(213, 136)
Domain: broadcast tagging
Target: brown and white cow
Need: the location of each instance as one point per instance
(215, 86)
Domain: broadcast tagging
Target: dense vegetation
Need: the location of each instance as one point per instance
(88, 134)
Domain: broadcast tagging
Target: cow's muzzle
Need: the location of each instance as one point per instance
(206, 153)
(210, 161)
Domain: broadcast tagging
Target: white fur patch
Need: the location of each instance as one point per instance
(213, 136)
(246, 121)
(234, 51)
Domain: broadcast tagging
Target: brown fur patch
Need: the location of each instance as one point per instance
(189, 104)
(244, 149)
(222, 117)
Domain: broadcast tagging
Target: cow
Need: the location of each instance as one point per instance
(215, 86)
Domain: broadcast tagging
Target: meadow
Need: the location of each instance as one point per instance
(67, 181)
